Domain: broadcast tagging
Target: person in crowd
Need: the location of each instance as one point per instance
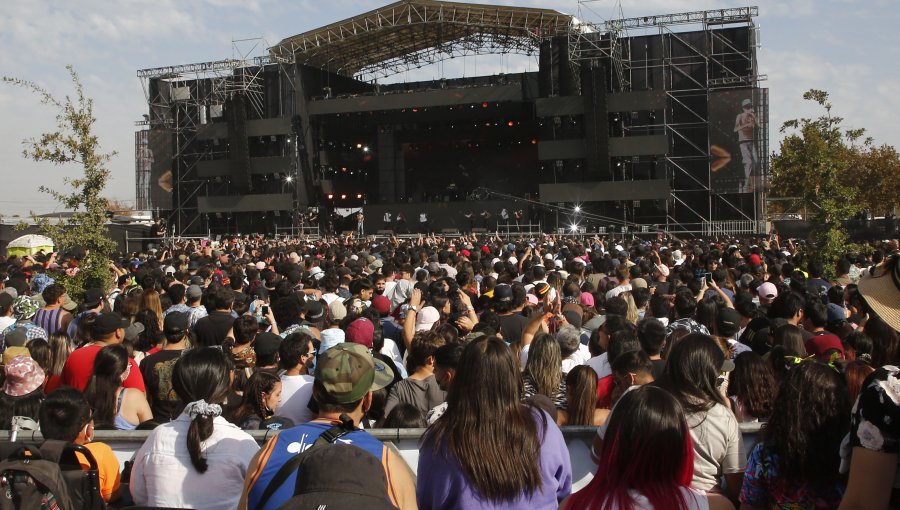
(446, 363)
(114, 405)
(796, 463)
(22, 391)
(631, 368)
(652, 335)
(295, 356)
(52, 317)
(198, 460)
(243, 331)
(262, 395)
(421, 388)
(212, 329)
(855, 373)
(66, 415)
(107, 329)
(693, 375)
(346, 376)
(646, 459)
(157, 368)
(489, 450)
(543, 370)
(405, 416)
(751, 388)
(788, 346)
(581, 399)
(872, 453)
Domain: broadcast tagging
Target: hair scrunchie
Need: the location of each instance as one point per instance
(202, 408)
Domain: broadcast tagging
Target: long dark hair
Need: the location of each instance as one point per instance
(253, 402)
(109, 365)
(201, 374)
(809, 420)
(647, 448)
(753, 383)
(691, 372)
(486, 429)
(581, 388)
(544, 364)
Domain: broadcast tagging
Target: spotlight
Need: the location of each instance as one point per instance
(331, 196)
(510, 123)
(366, 149)
(577, 208)
(359, 195)
(289, 178)
(574, 228)
(359, 146)
(343, 196)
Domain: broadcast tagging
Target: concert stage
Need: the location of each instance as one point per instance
(631, 121)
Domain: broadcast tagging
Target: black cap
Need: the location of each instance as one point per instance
(314, 309)
(108, 323)
(503, 292)
(6, 300)
(266, 343)
(176, 323)
(728, 322)
(92, 298)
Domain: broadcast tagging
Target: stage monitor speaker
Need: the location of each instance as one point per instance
(449, 230)
(385, 232)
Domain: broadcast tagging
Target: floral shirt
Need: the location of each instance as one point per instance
(875, 417)
(764, 488)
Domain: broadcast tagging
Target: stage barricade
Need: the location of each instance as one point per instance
(405, 441)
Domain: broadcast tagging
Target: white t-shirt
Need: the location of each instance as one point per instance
(601, 365)
(579, 357)
(615, 291)
(6, 322)
(296, 390)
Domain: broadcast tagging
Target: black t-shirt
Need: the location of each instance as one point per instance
(212, 329)
(512, 326)
(658, 366)
(157, 371)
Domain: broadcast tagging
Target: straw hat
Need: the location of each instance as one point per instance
(881, 290)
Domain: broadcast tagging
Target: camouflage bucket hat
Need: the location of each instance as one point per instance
(348, 371)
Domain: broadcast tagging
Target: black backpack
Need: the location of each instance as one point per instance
(83, 484)
(30, 482)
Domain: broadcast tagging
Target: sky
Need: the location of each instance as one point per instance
(847, 47)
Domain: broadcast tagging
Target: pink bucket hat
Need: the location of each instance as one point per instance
(23, 375)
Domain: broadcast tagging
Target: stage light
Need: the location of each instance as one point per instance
(534, 141)
(331, 196)
(510, 123)
(577, 208)
(366, 149)
(289, 178)
(574, 228)
(343, 196)
(359, 195)
(359, 146)
(484, 105)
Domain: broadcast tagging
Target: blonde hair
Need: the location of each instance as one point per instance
(632, 314)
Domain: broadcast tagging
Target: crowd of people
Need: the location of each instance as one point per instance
(491, 345)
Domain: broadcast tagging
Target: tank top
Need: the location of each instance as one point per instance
(292, 441)
(120, 422)
(50, 320)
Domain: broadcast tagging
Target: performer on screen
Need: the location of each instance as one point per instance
(387, 220)
(745, 125)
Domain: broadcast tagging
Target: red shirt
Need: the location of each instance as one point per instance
(604, 392)
(80, 366)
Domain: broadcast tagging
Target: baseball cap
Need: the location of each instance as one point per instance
(6, 300)
(330, 337)
(314, 309)
(502, 292)
(175, 323)
(767, 290)
(381, 304)
(109, 322)
(133, 331)
(266, 343)
(347, 372)
(728, 322)
(338, 310)
(361, 332)
(836, 312)
(193, 292)
(639, 283)
(427, 316)
(820, 344)
(91, 298)
(340, 476)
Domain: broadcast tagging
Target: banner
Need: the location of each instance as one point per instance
(736, 128)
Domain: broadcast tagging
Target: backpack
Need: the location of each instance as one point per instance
(30, 482)
(83, 484)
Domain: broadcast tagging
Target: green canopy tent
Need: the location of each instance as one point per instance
(29, 245)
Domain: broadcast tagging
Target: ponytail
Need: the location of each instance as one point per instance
(201, 378)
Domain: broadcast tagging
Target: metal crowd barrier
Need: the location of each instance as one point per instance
(125, 443)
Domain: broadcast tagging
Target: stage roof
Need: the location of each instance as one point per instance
(413, 33)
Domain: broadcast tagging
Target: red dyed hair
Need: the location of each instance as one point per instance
(647, 449)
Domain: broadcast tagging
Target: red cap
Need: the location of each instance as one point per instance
(820, 344)
(465, 253)
(485, 249)
(361, 332)
(381, 304)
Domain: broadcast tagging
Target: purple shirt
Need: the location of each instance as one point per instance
(442, 484)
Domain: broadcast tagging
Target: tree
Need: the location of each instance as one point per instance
(812, 164)
(74, 143)
(875, 175)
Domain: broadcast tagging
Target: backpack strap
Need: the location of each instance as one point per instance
(329, 436)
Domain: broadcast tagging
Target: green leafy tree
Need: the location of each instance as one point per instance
(812, 163)
(875, 175)
(74, 143)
